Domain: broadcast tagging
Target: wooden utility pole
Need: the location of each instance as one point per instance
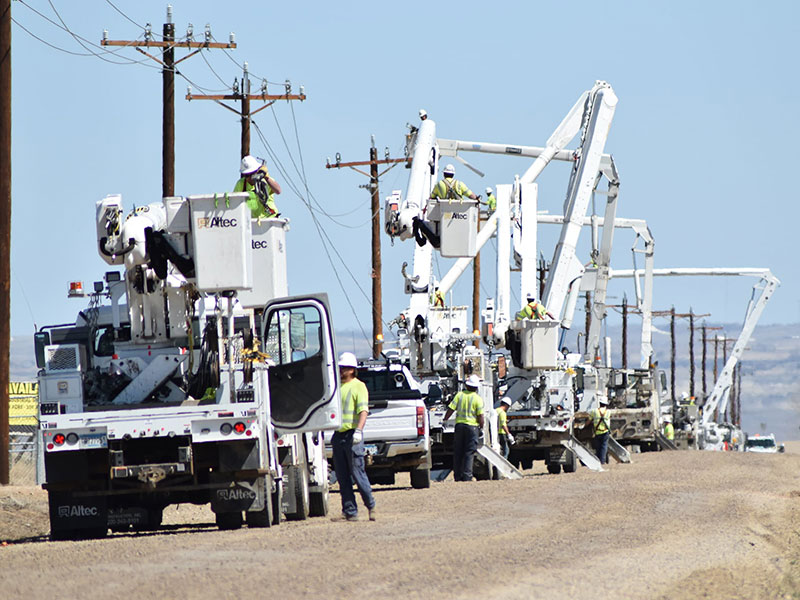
(374, 178)
(241, 93)
(672, 353)
(5, 233)
(624, 332)
(704, 361)
(168, 62)
(691, 352)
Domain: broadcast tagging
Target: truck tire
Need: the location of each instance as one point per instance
(229, 520)
(571, 464)
(554, 468)
(421, 478)
(263, 517)
(318, 503)
(299, 486)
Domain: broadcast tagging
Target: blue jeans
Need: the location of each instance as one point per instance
(348, 462)
(464, 446)
(505, 447)
(601, 447)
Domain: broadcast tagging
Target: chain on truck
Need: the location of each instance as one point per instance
(190, 378)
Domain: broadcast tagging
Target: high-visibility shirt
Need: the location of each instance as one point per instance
(438, 299)
(491, 203)
(601, 421)
(355, 400)
(450, 188)
(502, 421)
(468, 405)
(254, 202)
(669, 431)
(532, 310)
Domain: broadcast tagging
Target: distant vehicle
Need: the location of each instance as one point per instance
(764, 444)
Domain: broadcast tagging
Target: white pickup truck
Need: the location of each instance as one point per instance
(396, 436)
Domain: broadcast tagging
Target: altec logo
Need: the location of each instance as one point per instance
(259, 245)
(459, 216)
(236, 494)
(77, 511)
(206, 223)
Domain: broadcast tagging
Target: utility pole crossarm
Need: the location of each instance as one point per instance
(363, 163)
(264, 97)
(165, 44)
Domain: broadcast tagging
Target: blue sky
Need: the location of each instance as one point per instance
(702, 134)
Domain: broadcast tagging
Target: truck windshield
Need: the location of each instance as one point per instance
(385, 384)
(761, 443)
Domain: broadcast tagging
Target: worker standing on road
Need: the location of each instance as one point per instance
(601, 427)
(261, 187)
(533, 310)
(348, 441)
(506, 438)
(669, 430)
(468, 406)
(450, 188)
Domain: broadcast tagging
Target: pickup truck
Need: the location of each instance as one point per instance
(396, 436)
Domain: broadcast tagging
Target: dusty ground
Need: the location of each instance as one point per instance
(673, 524)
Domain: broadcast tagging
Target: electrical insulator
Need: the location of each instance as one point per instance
(105, 35)
(235, 85)
(288, 85)
(189, 91)
(148, 32)
(386, 152)
(208, 32)
(338, 158)
(372, 140)
(263, 87)
(302, 90)
(244, 68)
(328, 161)
(189, 31)
(169, 13)
(232, 38)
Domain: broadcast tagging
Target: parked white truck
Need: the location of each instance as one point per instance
(169, 397)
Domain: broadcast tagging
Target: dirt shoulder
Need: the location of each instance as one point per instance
(672, 524)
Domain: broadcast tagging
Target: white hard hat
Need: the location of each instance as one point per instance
(684, 396)
(422, 113)
(250, 164)
(488, 190)
(348, 359)
(505, 400)
(603, 400)
(449, 170)
(473, 381)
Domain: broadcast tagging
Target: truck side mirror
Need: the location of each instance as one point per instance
(40, 340)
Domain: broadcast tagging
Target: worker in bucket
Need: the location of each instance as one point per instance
(601, 428)
(533, 310)
(348, 441)
(450, 188)
(423, 114)
(491, 202)
(506, 438)
(468, 406)
(261, 187)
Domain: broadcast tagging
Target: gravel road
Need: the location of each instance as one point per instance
(672, 524)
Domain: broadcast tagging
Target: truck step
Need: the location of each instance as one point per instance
(586, 456)
(505, 468)
(663, 442)
(618, 451)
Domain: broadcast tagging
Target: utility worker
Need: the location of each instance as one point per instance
(423, 114)
(438, 298)
(261, 187)
(601, 427)
(468, 406)
(491, 201)
(506, 438)
(348, 441)
(533, 310)
(669, 430)
(450, 187)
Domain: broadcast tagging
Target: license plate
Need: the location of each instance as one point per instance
(370, 449)
(94, 441)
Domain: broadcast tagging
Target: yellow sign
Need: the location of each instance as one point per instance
(23, 400)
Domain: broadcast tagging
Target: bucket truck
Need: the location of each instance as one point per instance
(707, 433)
(165, 395)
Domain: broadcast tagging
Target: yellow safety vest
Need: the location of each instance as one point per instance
(669, 431)
(532, 310)
(450, 188)
(355, 400)
(601, 421)
(468, 405)
(253, 202)
(502, 420)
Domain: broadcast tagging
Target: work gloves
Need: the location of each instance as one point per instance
(358, 436)
(511, 440)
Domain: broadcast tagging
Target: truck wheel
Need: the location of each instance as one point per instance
(263, 517)
(554, 468)
(421, 478)
(572, 464)
(298, 479)
(318, 503)
(229, 520)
